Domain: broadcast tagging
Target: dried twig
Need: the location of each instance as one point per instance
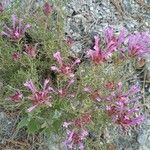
(143, 4)
(119, 6)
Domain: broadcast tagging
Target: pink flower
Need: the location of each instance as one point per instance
(1, 8)
(109, 85)
(94, 94)
(76, 138)
(76, 131)
(83, 120)
(96, 55)
(66, 69)
(30, 50)
(47, 8)
(17, 31)
(17, 96)
(138, 44)
(112, 43)
(119, 107)
(39, 97)
(16, 56)
(66, 124)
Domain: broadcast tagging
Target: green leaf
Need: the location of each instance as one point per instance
(23, 123)
(57, 114)
(34, 126)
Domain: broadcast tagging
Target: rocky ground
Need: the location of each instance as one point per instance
(86, 18)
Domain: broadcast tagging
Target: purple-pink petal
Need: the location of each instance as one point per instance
(58, 57)
(30, 109)
(29, 84)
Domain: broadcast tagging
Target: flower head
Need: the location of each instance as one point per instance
(16, 56)
(66, 69)
(96, 55)
(76, 131)
(31, 50)
(83, 120)
(1, 8)
(94, 94)
(17, 31)
(112, 43)
(47, 8)
(17, 96)
(119, 107)
(38, 97)
(138, 44)
(75, 138)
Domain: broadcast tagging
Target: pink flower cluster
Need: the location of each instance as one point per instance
(65, 69)
(118, 107)
(16, 31)
(94, 94)
(43, 97)
(39, 97)
(17, 96)
(76, 131)
(47, 8)
(113, 43)
(1, 8)
(135, 45)
(30, 51)
(138, 44)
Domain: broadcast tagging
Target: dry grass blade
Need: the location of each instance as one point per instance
(143, 4)
(119, 6)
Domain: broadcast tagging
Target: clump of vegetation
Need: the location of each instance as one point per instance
(69, 95)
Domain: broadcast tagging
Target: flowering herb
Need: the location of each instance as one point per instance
(47, 8)
(16, 56)
(66, 69)
(120, 110)
(75, 137)
(89, 91)
(31, 50)
(94, 94)
(1, 8)
(96, 55)
(16, 31)
(17, 96)
(138, 44)
(39, 97)
(112, 43)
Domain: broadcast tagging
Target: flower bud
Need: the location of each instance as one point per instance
(1, 8)
(47, 8)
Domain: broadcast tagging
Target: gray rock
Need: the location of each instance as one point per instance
(77, 47)
(5, 128)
